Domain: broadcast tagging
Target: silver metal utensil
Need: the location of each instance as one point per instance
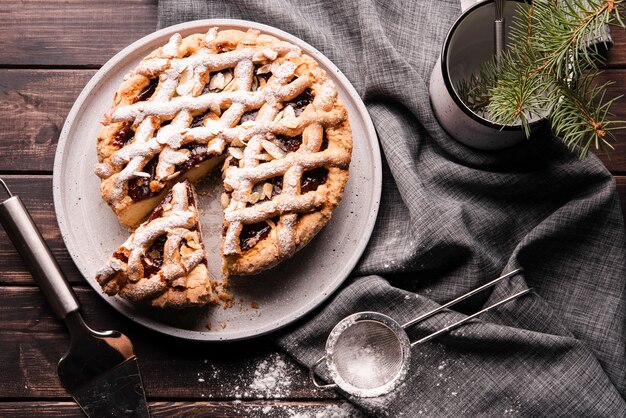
(368, 353)
(100, 369)
(498, 27)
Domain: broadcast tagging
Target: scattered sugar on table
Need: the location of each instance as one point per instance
(272, 378)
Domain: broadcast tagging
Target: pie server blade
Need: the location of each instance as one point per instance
(100, 369)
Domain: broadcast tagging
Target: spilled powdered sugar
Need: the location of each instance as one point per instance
(343, 410)
(271, 378)
(331, 411)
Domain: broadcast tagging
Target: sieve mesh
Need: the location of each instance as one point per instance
(368, 355)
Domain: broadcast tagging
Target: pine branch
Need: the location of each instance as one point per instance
(580, 116)
(475, 92)
(517, 95)
(564, 30)
(548, 71)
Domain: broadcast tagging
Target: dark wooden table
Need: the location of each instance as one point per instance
(48, 52)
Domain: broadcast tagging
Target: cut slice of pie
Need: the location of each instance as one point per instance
(250, 99)
(163, 262)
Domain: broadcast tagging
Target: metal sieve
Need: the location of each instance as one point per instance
(368, 353)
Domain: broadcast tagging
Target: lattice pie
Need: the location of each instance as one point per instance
(250, 102)
(163, 261)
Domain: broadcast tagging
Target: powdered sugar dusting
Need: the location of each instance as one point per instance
(331, 411)
(338, 410)
(367, 354)
(271, 378)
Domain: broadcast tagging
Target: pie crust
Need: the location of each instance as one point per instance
(163, 262)
(269, 112)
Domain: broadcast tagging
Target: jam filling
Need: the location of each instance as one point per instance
(198, 121)
(265, 76)
(191, 201)
(148, 91)
(249, 115)
(123, 136)
(252, 234)
(233, 162)
(121, 256)
(301, 102)
(324, 144)
(199, 153)
(139, 188)
(312, 179)
(290, 143)
(223, 48)
(277, 182)
(153, 260)
(158, 211)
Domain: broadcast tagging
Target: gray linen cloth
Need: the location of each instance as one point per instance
(451, 218)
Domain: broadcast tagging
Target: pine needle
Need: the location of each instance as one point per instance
(549, 70)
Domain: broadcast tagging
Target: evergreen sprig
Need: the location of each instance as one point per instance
(548, 71)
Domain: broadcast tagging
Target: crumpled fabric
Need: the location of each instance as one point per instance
(452, 218)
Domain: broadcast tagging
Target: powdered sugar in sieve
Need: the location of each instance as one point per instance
(368, 353)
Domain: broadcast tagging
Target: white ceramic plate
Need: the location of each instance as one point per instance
(283, 294)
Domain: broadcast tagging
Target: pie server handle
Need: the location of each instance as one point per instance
(21, 229)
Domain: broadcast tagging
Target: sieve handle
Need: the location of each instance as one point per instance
(463, 321)
(314, 379)
(462, 297)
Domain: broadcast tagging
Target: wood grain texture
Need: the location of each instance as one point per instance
(251, 409)
(33, 108)
(71, 32)
(49, 51)
(615, 161)
(35, 103)
(36, 192)
(616, 57)
(35, 33)
(32, 341)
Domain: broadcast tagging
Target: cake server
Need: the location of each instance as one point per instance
(100, 369)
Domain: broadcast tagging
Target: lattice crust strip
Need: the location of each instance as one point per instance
(174, 275)
(226, 75)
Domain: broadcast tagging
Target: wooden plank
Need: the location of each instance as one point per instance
(253, 409)
(35, 33)
(33, 108)
(616, 57)
(71, 32)
(36, 192)
(33, 341)
(34, 104)
(616, 160)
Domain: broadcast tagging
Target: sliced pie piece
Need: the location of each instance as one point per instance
(163, 262)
